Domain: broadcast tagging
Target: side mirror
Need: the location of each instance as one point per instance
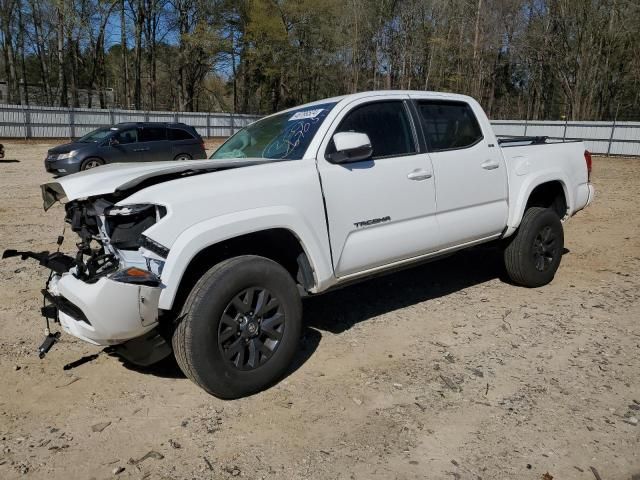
(350, 147)
(113, 141)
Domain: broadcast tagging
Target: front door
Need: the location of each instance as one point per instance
(380, 210)
(124, 147)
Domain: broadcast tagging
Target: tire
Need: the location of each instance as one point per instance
(533, 255)
(204, 342)
(183, 156)
(90, 163)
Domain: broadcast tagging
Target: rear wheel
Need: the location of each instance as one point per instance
(239, 327)
(183, 156)
(91, 163)
(534, 253)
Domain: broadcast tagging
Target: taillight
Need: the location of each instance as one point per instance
(587, 159)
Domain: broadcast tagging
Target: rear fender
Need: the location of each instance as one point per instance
(521, 190)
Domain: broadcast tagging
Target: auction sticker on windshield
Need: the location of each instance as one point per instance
(306, 114)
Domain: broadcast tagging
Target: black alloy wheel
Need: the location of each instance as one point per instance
(545, 249)
(239, 327)
(251, 328)
(533, 254)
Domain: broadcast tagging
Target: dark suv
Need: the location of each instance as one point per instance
(126, 142)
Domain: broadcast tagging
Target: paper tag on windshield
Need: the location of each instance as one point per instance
(306, 114)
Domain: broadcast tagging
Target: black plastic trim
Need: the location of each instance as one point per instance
(66, 307)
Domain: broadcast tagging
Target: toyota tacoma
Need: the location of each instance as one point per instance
(210, 259)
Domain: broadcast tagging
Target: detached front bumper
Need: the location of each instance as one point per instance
(106, 312)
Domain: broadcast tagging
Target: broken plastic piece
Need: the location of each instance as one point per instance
(56, 261)
(50, 311)
(48, 342)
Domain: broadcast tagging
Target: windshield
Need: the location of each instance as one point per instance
(96, 135)
(283, 136)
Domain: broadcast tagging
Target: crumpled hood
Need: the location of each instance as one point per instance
(116, 177)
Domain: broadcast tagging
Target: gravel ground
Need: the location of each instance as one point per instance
(441, 371)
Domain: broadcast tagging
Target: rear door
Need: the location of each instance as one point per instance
(154, 143)
(380, 210)
(183, 143)
(469, 172)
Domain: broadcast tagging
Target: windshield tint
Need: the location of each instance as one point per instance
(283, 136)
(96, 135)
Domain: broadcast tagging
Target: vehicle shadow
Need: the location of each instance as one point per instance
(165, 368)
(168, 367)
(9, 161)
(340, 310)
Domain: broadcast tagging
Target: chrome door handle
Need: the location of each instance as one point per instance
(419, 175)
(140, 149)
(490, 164)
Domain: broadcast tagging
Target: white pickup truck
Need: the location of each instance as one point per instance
(209, 259)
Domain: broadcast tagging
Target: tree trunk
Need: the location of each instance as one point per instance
(150, 27)
(25, 85)
(234, 71)
(40, 51)
(72, 47)
(9, 53)
(125, 64)
(137, 87)
(62, 80)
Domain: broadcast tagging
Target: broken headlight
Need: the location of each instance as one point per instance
(153, 246)
(125, 224)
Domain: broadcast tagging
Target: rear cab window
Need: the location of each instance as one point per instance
(448, 125)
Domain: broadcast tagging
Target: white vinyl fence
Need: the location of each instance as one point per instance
(609, 138)
(17, 121)
(605, 138)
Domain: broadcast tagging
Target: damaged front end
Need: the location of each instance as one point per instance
(107, 293)
(112, 240)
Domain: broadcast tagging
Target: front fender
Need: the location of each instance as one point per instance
(209, 232)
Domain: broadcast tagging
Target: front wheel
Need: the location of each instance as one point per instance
(534, 253)
(91, 163)
(183, 156)
(239, 327)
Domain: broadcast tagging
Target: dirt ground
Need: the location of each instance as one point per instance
(441, 371)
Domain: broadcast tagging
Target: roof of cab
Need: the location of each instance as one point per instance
(375, 93)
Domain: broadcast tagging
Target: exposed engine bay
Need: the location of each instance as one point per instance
(110, 247)
(107, 291)
(111, 237)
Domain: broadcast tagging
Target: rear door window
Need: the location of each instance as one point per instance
(152, 134)
(387, 125)
(179, 134)
(449, 125)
